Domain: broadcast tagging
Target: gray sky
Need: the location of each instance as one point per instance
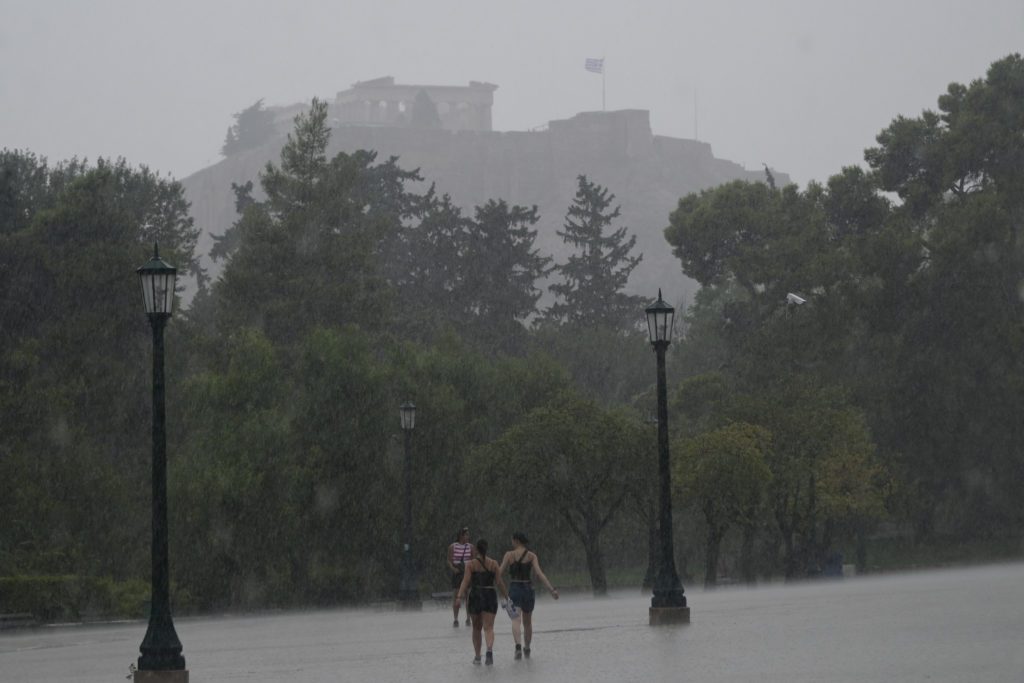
(802, 85)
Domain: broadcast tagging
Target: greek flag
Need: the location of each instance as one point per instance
(595, 65)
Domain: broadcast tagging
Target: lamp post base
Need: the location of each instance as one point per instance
(149, 676)
(662, 616)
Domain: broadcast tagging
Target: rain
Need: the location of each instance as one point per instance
(575, 341)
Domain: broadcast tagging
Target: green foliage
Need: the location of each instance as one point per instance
(74, 353)
(593, 278)
(724, 473)
(825, 480)
(958, 173)
(69, 597)
(314, 253)
(253, 126)
(499, 290)
(576, 458)
(606, 365)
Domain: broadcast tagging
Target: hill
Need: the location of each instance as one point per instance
(648, 173)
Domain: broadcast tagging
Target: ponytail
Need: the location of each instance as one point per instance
(481, 547)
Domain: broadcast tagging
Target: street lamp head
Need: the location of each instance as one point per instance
(660, 316)
(407, 411)
(157, 278)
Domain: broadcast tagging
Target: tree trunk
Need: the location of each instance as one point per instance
(595, 559)
(747, 568)
(714, 541)
(862, 551)
(790, 559)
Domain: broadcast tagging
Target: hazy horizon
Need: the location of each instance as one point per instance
(796, 85)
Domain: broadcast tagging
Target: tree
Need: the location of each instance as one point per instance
(316, 252)
(253, 126)
(958, 173)
(498, 291)
(575, 458)
(74, 359)
(431, 273)
(724, 474)
(812, 430)
(593, 278)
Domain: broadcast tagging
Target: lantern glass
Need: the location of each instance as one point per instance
(660, 318)
(407, 411)
(158, 279)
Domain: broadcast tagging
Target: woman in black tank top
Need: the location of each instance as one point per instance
(481, 582)
(521, 562)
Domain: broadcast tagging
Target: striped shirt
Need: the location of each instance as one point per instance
(461, 553)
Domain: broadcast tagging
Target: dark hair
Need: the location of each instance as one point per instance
(521, 537)
(481, 547)
(463, 530)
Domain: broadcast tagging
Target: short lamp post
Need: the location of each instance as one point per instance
(160, 649)
(668, 604)
(408, 592)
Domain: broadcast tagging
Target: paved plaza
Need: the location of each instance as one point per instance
(947, 626)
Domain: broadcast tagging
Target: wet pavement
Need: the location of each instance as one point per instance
(942, 626)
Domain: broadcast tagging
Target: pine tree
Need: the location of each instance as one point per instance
(498, 287)
(253, 126)
(593, 278)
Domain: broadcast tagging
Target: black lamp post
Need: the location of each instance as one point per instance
(408, 593)
(668, 604)
(161, 649)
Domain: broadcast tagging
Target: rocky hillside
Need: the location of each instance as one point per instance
(648, 174)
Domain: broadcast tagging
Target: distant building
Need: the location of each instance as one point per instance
(382, 102)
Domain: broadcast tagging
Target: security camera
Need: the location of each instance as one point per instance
(794, 299)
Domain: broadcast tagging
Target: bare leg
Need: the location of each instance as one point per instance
(455, 605)
(527, 628)
(477, 623)
(488, 620)
(517, 626)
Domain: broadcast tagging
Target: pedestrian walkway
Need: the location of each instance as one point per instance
(942, 627)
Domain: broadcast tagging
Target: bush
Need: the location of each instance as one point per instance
(70, 598)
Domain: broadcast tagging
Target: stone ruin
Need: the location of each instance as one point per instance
(382, 102)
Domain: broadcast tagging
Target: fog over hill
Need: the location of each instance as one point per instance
(648, 173)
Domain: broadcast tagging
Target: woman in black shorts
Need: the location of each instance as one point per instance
(479, 582)
(520, 562)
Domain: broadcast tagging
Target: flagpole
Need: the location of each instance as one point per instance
(695, 137)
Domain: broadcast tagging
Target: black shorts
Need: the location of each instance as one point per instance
(483, 600)
(457, 578)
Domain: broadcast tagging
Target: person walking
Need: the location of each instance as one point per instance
(479, 583)
(459, 553)
(521, 562)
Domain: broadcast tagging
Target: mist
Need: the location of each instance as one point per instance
(800, 86)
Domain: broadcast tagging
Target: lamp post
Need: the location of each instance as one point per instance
(408, 593)
(161, 649)
(668, 604)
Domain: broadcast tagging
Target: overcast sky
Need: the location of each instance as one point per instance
(802, 85)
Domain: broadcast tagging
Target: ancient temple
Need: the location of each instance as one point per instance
(383, 102)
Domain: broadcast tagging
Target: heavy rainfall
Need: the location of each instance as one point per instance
(575, 341)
